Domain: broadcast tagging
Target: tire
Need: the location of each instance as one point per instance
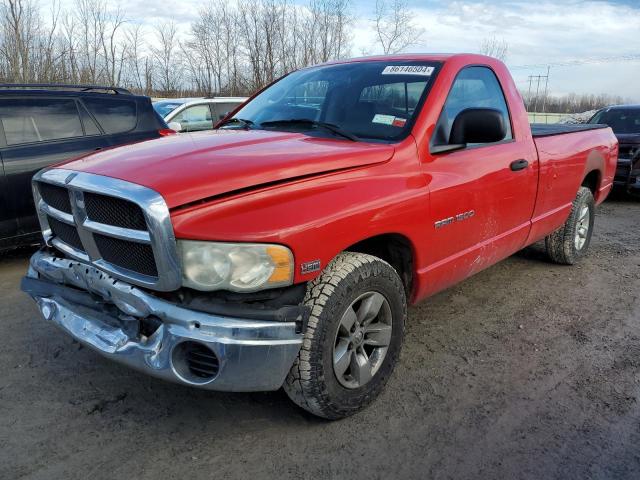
(564, 246)
(352, 282)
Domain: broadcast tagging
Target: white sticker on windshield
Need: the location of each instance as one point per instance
(383, 119)
(408, 70)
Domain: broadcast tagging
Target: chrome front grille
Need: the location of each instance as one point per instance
(114, 211)
(120, 227)
(65, 233)
(56, 197)
(132, 255)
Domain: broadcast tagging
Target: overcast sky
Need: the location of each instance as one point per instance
(541, 32)
(538, 33)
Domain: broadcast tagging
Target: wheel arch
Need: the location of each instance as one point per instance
(394, 248)
(592, 181)
(594, 173)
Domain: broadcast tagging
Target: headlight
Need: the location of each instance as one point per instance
(240, 267)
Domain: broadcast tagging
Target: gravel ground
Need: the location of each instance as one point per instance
(527, 370)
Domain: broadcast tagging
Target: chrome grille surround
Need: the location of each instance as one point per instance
(159, 234)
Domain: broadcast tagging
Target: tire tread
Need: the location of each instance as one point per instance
(304, 383)
(560, 244)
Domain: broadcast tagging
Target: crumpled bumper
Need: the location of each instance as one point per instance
(105, 314)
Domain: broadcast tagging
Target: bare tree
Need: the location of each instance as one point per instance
(231, 48)
(134, 57)
(47, 50)
(112, 49)
(394, 26)
(204, 51)
(69, 63)
(494, 47)
(166, 57)
(21, 26)
(330, 20)
(88, 41)
(572, 102)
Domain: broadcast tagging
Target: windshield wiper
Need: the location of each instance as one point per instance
(246, 124)
(312, 123)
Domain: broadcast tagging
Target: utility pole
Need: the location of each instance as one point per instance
(538, 79)
(535, 107)
(546, 85)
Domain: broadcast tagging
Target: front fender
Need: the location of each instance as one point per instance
(319, 217)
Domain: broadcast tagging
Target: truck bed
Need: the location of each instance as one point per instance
(548, 130)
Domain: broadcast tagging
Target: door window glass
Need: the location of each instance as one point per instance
(195, 118)
(90, 126)
(113, 114)
(39, 119)
(222, 109)
(474, 87)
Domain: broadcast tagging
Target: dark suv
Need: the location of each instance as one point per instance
(45, 124)
(624, 120)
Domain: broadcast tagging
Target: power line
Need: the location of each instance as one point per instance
(569, 63)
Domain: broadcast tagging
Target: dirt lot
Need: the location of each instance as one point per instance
(527, 370)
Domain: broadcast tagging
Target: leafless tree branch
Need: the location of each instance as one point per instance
(395, 27)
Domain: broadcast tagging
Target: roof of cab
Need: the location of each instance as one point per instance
(406, 57)
(630, 106)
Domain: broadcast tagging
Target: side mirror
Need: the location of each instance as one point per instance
(474, 125)
(175, 126)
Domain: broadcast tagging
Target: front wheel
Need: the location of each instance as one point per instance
(569, 243)
(353, 338)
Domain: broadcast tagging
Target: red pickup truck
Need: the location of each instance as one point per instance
(282, 249)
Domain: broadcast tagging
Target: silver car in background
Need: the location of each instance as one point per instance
(195, 114)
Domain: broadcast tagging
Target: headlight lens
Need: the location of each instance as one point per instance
(239, 267)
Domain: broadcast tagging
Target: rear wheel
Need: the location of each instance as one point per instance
(353, 339)
(569, 243)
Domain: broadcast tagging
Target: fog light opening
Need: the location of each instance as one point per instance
(194, 362)
(47, 308)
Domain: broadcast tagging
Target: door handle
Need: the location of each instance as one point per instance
(519, 165)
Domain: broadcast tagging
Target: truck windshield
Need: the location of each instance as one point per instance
(621, 120)
(359, 100)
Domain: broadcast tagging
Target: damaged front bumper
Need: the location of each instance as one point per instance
(163, 339)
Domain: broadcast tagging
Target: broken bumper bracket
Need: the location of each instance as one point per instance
(104, 314)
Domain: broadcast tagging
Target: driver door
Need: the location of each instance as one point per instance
(481, 206)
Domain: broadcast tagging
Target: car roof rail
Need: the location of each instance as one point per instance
(62, 86)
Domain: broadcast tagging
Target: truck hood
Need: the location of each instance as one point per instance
(189, 167)
(628, 138)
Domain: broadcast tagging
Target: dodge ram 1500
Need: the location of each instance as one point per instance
(282, 249)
